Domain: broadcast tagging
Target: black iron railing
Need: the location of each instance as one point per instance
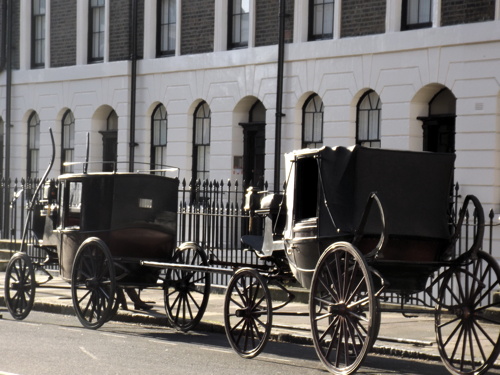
(211, 214)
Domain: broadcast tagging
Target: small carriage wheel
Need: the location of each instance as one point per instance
(20, 286)
(186, 293)
(93, 284)
(248, 313)
(467, 332)
(343, 308)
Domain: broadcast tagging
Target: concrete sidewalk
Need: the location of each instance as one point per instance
(399, 336)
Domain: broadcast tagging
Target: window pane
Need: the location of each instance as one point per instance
(236, 29)
(318, 127)
(172, 11)
(425, 11)
(318, 20)
(363, 125)
(171, 37)
(328, 19)
(244, 28)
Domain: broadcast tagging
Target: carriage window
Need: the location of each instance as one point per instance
(145, 203)
(74, 205)
(306, 189)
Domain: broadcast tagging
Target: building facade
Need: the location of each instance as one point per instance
(193, 83)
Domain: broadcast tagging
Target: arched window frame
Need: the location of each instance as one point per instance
(368, 120)
(67, 142)
(159, 126)
(201, 141)
(33, 143)
(312, 122)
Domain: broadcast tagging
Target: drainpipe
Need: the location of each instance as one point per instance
(279, 97)
(8, 97)
(133, 84)
(3, 40)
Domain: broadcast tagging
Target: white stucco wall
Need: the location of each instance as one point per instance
(405, 68)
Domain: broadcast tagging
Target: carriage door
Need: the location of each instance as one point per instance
(254, 146)
(439, 126)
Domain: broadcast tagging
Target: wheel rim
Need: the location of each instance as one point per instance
(343, 309)
(93, 284)
(20, 286)
(468, 336)
(247, 313)
(186, 293)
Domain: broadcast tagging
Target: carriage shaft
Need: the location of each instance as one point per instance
(187, 267)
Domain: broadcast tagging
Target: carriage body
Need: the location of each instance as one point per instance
(100, 228)
(328, 193)
(135, 215)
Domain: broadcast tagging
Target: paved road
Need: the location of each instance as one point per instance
(57, 344)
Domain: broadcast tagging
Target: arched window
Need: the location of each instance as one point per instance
(201, 142)
(68, 142)
(159, 137)
(33, 145)
(312, 122)
(368, 120)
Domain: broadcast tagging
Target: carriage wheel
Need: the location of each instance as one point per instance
(343, 309)
(467, 332)
(93, 284)
(20, 286)
(186, 292)
(248, 313)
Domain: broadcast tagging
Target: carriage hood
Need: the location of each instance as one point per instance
(333, 185)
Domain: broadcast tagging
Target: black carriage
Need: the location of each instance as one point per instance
(356, 224)
(98, 227)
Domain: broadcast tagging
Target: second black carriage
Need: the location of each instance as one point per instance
(353, 225)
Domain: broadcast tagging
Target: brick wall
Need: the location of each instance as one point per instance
(120, 29)
(454, 12)
(361, 17)
(197, 34)
(267, 22)
(16, 19)
(62, 33)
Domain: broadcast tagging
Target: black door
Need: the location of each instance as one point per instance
(439, 133)
(109, 150)
(254, 148)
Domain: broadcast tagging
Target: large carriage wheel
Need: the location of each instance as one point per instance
(343, 309)
(248, 313)
(93, 284)
(186, 292)
(20, 286)
(467, 328)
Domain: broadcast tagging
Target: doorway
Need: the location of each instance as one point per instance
(110, 143)
(254, 146)
(439, 126)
